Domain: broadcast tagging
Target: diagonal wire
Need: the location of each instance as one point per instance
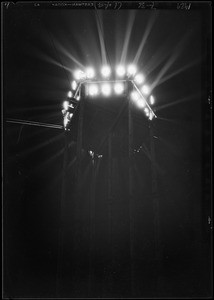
(32, 123)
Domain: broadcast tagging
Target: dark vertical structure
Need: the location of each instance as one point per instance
(80, 139)
(94, 166)
(156, 211)
(105, 232)
(61, 218)
(110, 200)
(131, 198)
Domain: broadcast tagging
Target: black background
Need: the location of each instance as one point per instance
(37, 41)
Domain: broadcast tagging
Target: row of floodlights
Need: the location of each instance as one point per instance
(106, 89)
(106, 71)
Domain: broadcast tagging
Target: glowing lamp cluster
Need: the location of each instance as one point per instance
(106, 71)
(105, 89)
(67, 112)
(108, 81)
(141, 103)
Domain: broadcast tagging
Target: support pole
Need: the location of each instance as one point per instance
(158, 249)
(110, 257)
(92, 225)
(80, 138)
(131, 221)
(61, 221)
(77, 240)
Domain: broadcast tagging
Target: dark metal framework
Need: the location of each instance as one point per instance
(108, 140)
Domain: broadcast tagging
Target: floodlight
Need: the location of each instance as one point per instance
(140, 103)
(67, 118)
(135, 95)
(152, 100)
(106, 89)
(145, 90)
(131, 70)
(74, 85)
(151, 115)
(70, 94)
(119, 88)
(90, 73)
(120, 71)
(79, 75)
(66, 121)
(106, 71)
(146, 111)
(139, 78)
(93, 90)
(65, 105)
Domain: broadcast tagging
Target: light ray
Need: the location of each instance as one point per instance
(127, 36)
(182, 69)
(67, 53)
(175, 54)
(186, 99)
(144, 39)
(44, 164)
(101, 39)
(41, 145)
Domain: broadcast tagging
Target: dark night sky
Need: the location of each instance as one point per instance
(36, 42)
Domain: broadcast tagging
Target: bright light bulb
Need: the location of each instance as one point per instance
(145, 90)
(90, 73)
(66, 121)
(151, 116)
(106, 71)
(79, 75)
(146, 111)
(106, 89)
(120, 71)
(135, 96)
(93, 90)
(139, 78)
(131, 70)
(65, 105)
(119, 88)
(141, 103)
(70, 94)
(152, 100)
(74, 85)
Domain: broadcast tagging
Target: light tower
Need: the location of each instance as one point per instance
(102, 110)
